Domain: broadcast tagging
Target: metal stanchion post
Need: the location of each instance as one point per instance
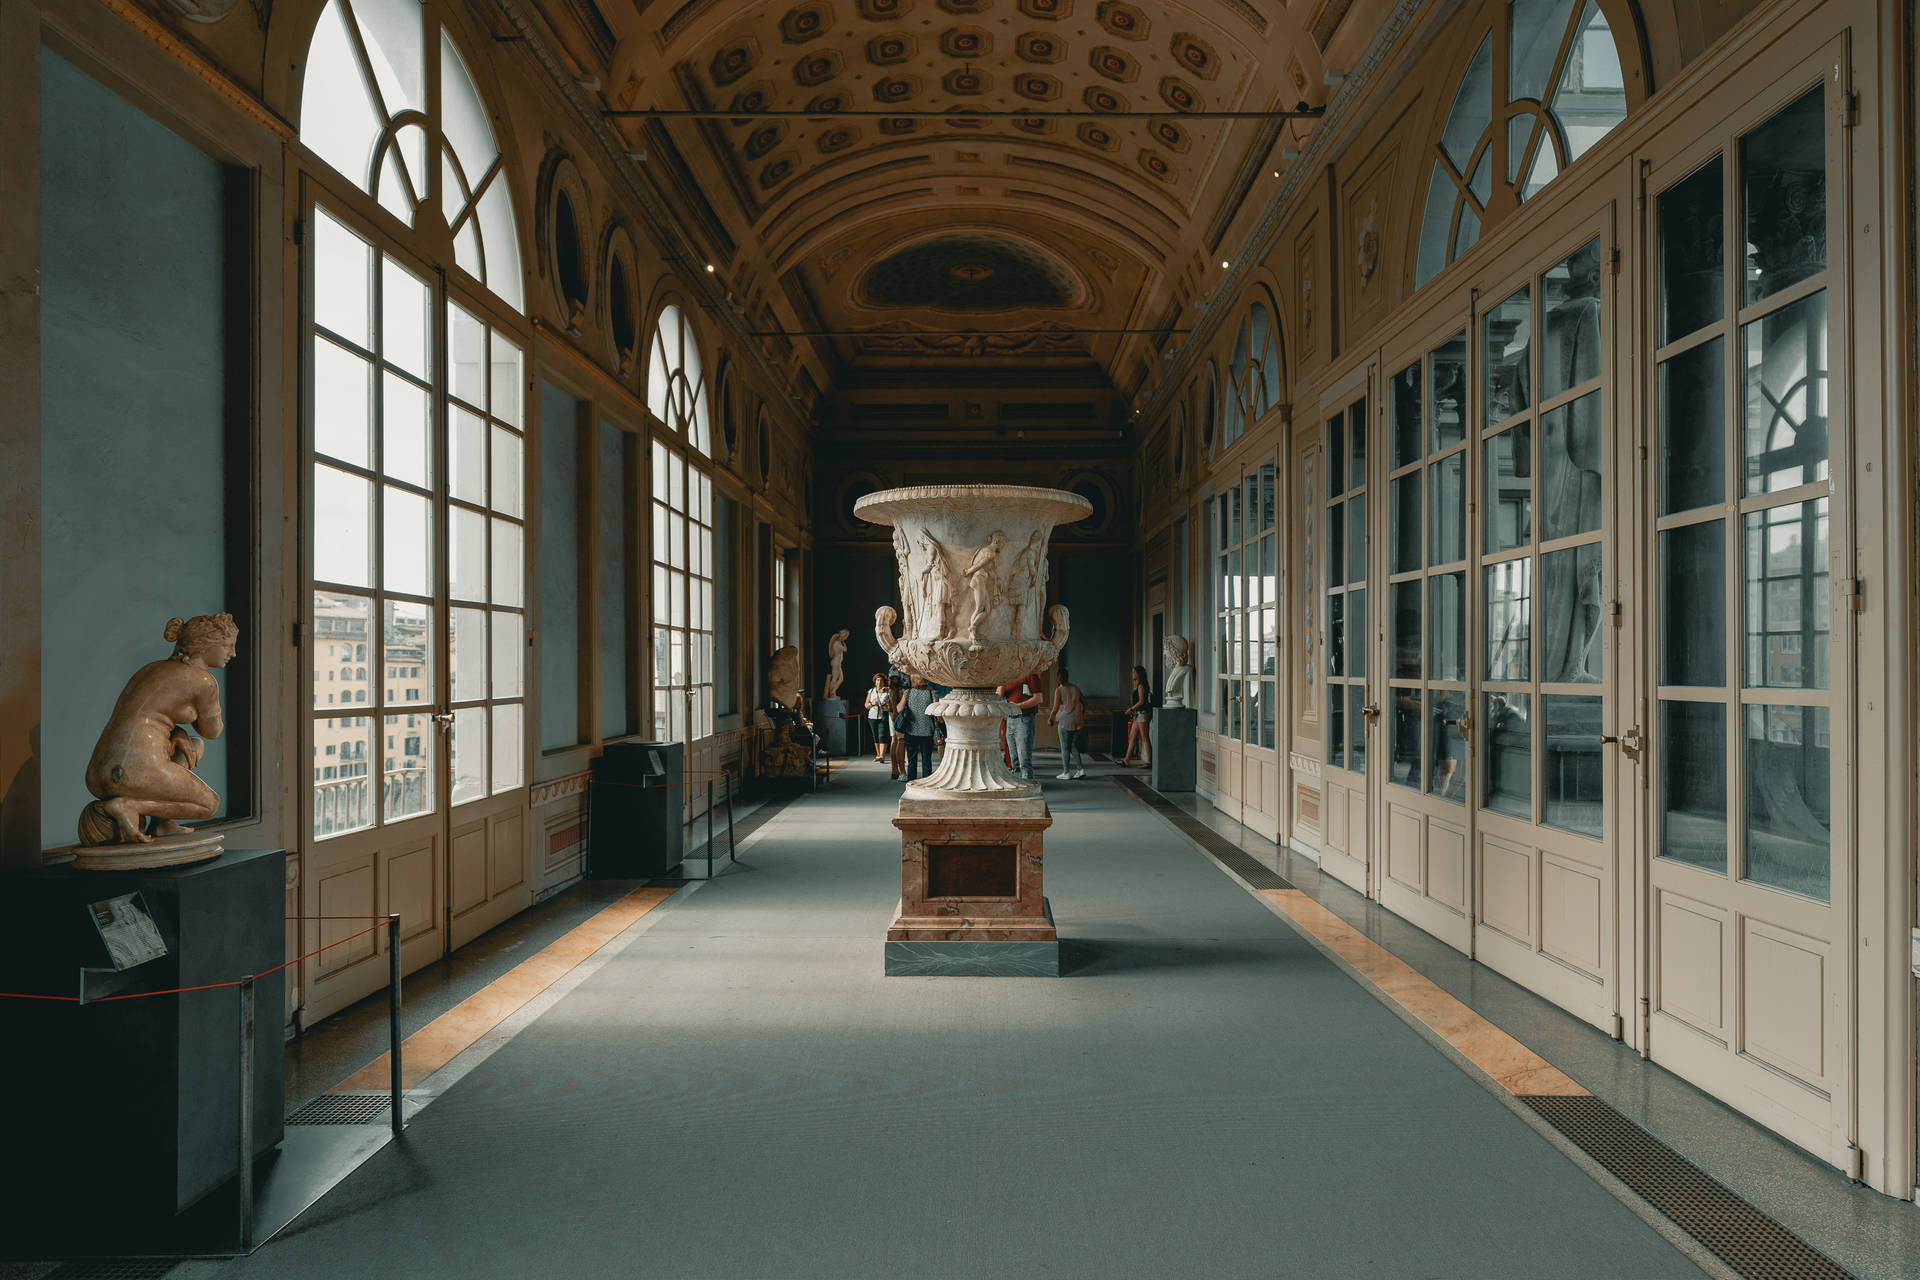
(709, 828)
(246, 1115)
(393, 1017)
(732, 851)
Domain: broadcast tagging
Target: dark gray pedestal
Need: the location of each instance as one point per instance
(134, 1111)
(1175, 744)
(833, 730)
(634, 831)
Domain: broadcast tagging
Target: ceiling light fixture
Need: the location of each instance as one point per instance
(590, 83)
(709, 268)
(1333, 75)
(638, 157)
(1224, 264)
(1289, 153)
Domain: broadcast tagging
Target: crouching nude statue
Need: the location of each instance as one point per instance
(143, 765)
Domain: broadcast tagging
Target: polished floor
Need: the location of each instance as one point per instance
(1225, 1083)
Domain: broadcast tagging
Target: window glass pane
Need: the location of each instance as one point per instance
(1447, 627)
(1336, 545)
(1436, 224)
(1447, 387)
(506, 747)
(1408, 728)
(342, 281)
(406, 782)
(1509, 489)
(507, 484)
(1336, 455)
(1509, 737)
(1789, 799)
(1403, 408)
(343, 794)
(1405, 542)
(1536, 28)
(1469, 233)
(1785, 357)
(1787, 597)
(1406, 629)
(1267, 704)
(1783, 167)
(1509, 619)
(1571, 609)
(1357, 538)
(1447, 517)
(1692, 252)
(509, 653)
(1357, 443)
(1337, 726)
(503, 250)
(338, 118)
(1336, 635)
(405, 432)
(509, 386)
(1445, 746)
(406, 543)
(1521, 130)
(463, 116)
(469, 763)
(467, 653)
(408, 641)
(1472, 107)
(1480, 185)
(467, 355)
(342, 626)
(466, 455)
(1357, 630)
(342, 528)
(1508, 330)
(1357, 748)
(1693, 783)
(406, 321)
(1693, 590)
(1591, 97)
(342, 404)
(509, 574)
(1570, 298)
(467, 554)
(1571, 783)
(1693, 433)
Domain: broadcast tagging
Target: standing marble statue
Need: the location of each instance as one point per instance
(836, 657)
(1178, 656)
(142, 767)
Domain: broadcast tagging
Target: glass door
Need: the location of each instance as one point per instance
(1246, 629)
(1751, 853)
(1350, 712)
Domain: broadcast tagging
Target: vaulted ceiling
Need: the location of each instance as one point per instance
(1060, 230)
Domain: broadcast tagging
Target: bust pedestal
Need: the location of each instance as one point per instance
(971, 900)
(828, 718)
(1174, 735)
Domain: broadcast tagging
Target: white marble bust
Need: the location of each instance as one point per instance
(1178, 655)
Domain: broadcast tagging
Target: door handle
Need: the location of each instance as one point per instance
(1630, 742)
(443, 718)
(1371, 710)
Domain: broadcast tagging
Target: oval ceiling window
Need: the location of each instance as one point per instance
(763, 444)
(570, 268)
(1096, 494)
(623, 311)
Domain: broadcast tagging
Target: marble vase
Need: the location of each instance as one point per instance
(973, 583)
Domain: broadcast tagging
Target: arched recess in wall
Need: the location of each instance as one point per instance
(1098, 491)
(726, 411)
(1253, 369)
(620, 299)
(1574, 69)
(851, 489)
(566, 252)
(1209, 411)
(1179, 451)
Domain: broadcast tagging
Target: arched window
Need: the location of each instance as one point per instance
(1253, 375)
(413, 371)
(1564, 90)
(1210, 415)
(364, 110)
(676, 392)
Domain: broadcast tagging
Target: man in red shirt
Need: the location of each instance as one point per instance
(1024, 694)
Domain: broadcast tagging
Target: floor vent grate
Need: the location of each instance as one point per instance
(1237, 860)
(1731, 1229)
(344, 1108)
(114, 1269)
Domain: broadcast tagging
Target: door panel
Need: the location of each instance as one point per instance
(1348, 633)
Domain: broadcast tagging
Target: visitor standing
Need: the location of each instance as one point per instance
(1068, 715)
(879, 707)
(919, 733)
(1024, 694)
(1140, 720)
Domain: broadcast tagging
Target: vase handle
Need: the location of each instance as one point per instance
(883, 620)
(1060, 628)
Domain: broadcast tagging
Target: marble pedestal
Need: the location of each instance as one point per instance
(827, 713)
(971, 900)
(1175, 748)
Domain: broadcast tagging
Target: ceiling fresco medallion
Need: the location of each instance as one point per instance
(1036, 46)
(896, 125)
(804, 23)
(1114, 64)
(1031, 84)
(1096, 136)
(1156, 164)
(968, 271)
(753, 99)
(1169, 134)
(965, 42)
(765, 139)
(1050, 10)
(734, 61)
(1178, 94)
(817, 68)
(1196, 55)
(966, 81)
(882, 10)
(1033, 124)
(837, 139)
(1098, 98)
(1123, 20)
(965, 6)
(828, 103)
(893, 89)
(890, 50)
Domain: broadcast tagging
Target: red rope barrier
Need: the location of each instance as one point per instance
(215, 986)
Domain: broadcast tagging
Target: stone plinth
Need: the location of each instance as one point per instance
(1175, 747)
(971, 881)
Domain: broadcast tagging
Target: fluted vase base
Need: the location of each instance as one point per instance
(973, 768)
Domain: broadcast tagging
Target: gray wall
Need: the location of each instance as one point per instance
(1094, 587)
(136, 415)
(559, 569)
(849, 584)
(616, 572)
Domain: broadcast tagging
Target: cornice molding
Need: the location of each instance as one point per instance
(663, 222)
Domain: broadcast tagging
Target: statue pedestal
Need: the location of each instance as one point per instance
(827, 713)
(1174, 734)
(971, 900)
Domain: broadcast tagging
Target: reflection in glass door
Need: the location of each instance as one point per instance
(1750, 734)
(1349, 713)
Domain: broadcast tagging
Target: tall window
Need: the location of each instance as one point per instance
(779, 600)
(1253, 376)
(1346, 577)
(418, 542)
(1507, 137)
(682, 597)
(676, 392)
